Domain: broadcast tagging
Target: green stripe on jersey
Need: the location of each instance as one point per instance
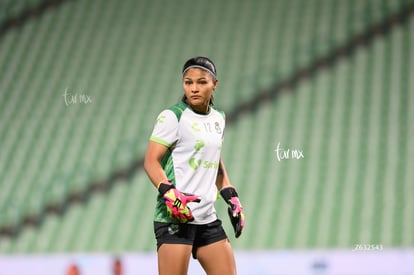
(161, 214)
(178, 109)
(160, 141)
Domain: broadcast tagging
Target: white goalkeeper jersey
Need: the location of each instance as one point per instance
(194, 144)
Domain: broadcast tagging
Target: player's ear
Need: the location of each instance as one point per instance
(215, 83)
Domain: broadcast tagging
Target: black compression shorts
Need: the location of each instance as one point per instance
(191, 234)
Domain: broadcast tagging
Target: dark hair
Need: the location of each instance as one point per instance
(202, 63)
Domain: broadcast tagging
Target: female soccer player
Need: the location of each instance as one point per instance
(183, 162)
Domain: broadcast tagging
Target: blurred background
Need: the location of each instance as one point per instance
(319, 138)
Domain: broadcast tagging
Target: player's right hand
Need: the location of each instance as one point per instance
(176, 202)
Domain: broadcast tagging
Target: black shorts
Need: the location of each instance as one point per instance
(196, 235)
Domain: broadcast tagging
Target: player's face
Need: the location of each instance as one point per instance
(198, 88)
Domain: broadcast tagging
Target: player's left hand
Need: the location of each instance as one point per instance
(235, 209)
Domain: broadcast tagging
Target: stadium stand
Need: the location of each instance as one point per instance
(82, 83)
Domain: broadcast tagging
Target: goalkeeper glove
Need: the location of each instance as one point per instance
(235, 209)
(177, 202)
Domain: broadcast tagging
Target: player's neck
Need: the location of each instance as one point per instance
(201, 110)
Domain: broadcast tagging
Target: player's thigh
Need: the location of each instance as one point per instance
(217, 258)
(174, 259)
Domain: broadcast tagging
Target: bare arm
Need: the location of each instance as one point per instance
(152, 164)
(222, 177)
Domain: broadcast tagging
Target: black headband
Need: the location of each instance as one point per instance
(202, 63)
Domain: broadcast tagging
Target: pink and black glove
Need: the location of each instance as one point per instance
(235, 209)
(177, 202)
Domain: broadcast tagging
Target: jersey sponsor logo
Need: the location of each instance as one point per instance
(195, 162)
(210, 164)
(199, 144)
